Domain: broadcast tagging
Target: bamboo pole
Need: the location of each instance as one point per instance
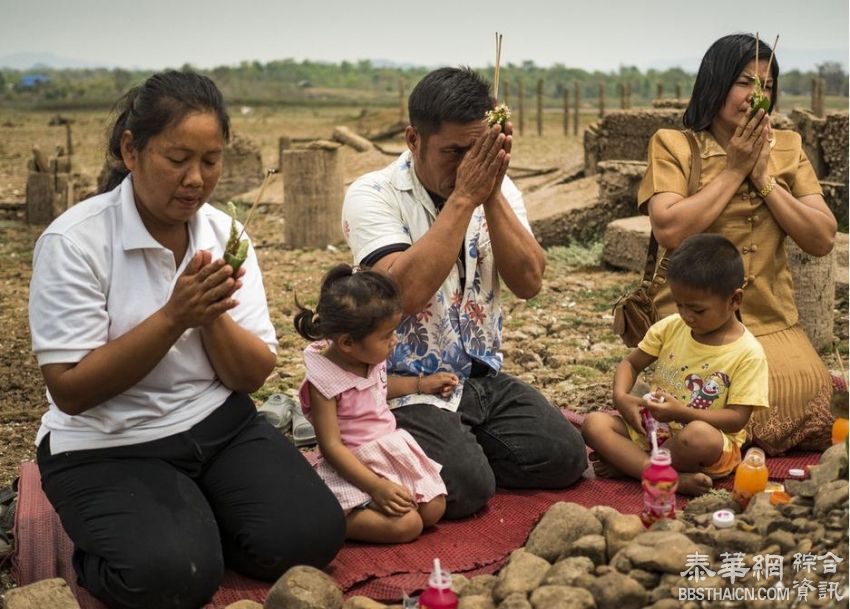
(566, 111)
(521, 105)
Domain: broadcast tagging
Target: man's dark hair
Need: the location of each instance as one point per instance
(456, 95)
(721, 65)
(707, 261)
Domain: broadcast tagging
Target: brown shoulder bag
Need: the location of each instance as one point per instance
(635, 312)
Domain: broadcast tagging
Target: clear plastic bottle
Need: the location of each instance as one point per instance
(439, 593)
(659, 481)
(750, 477)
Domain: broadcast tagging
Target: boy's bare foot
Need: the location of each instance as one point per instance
(603, 469)
(694, 484)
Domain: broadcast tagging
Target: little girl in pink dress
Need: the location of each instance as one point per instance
(389, 489)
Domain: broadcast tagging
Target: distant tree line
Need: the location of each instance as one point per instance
(288, 81)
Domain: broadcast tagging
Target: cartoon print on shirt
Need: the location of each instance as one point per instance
(704, 392)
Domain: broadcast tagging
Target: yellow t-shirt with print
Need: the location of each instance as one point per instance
(707, 376)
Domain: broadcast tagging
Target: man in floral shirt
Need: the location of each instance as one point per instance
(447, 224)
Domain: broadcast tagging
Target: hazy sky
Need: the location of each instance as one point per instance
(593, 34)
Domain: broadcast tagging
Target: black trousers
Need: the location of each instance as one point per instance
(504, 433)
(155, 524)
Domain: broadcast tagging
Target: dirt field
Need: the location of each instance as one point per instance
(559, 341)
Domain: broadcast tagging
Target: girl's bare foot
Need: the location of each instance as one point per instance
(694, 484)
(603, 469)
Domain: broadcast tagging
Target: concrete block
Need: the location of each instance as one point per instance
(625, 243)
(52, 593)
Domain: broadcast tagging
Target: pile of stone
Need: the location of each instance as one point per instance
(825, 141)
(625, 135)
(598, 558)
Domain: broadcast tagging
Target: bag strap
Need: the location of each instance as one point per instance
(654, 277)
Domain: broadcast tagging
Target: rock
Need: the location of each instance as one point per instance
(476, 601)
(647, 579)
(523, 573)
(620, 530)
(53, 593)
(481, 584)
(246, 604)
(603, 512)
(575, 571)
(304, 587)
(760, 513)
(733, 540)
(710, 503)
(831, 496)
(665, 603)
(561, 597)
(658, 551)
(617, 591)
(590, 546)
(668, 524)
(362, 602)
(836, 453)
(784, 539)
(517, 600)
(562, 524)
(459, 583)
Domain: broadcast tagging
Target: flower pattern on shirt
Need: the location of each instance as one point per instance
(462, 322)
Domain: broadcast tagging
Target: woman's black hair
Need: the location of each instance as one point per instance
(351, 301)
(721, 65)
(161, 101)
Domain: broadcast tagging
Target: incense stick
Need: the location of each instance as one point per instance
(770, 61)
(840, 363)
(757, 57)
(269, 174)
(498, 60)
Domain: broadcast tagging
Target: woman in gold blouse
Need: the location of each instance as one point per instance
(756, 186)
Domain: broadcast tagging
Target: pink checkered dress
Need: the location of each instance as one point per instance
(368, 429)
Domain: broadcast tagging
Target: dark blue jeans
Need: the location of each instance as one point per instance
(154, 524)
(505, 433)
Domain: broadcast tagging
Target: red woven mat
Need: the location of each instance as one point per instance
(476, 545)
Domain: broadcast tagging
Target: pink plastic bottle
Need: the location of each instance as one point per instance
(659, 482)
(438, 594)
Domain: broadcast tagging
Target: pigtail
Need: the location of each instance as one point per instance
(307, 322)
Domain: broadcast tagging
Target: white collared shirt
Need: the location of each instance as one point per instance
(98, 273)
(462, 322)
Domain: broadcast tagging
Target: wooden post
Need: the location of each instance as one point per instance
(520, 104)
(69, 141)
(817, 97)
(284, 143)
(814, 292)
(540, 107)
(659, 90)
(628, 95)
(601, 99)
(402, 105)
(678, 91)
(313, 192)
(40, 195)
(577, 105)
(566, 111)
(621, 89)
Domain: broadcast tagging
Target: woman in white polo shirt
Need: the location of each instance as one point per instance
(151, 451)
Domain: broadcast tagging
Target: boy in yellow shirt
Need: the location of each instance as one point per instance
(710, 373)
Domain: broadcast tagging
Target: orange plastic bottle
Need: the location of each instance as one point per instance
(839, 430)
(750, 477)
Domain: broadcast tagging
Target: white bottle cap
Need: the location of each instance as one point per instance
(723, 519)
(796, 473)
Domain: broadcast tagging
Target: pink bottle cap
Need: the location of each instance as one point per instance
(723, 519)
